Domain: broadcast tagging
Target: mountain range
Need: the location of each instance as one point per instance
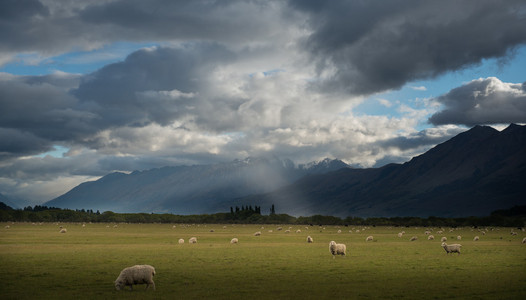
(473, 173)
(197, 189)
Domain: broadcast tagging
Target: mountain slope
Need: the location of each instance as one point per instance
(474, 173)
(188, 189)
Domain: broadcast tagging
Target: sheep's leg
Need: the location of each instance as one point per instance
(153, 283)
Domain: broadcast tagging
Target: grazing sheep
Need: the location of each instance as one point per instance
(414, 238)
(257, 233)
(287, 231)
(337, 249)
(443, 239)
(192, 240)
(369, 238)
(234, 241)
(452, 248)
(339, 231)
(138, 274)
(7, 226)
(279, 228)
(524, 240)
(298, 231)
(459, 237)
(427, 232)
(309, 239)
(513, 233)
(63, 230)
(181, 241)
(400, 234)
(431, 237)
(476, 238)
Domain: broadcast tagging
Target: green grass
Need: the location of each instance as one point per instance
(40, 263)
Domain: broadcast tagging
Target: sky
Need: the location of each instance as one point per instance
(91, 87)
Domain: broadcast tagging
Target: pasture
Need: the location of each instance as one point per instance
(40, 263)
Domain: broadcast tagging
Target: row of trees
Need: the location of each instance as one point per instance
(514, 217)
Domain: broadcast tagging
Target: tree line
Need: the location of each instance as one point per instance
(513, 217)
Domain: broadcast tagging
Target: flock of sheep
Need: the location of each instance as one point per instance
(143, 274)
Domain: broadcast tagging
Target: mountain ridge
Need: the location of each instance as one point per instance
(473, 173)
(187, 189)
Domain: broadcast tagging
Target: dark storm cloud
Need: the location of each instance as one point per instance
(14, 143)
(372, 46)
(483, 101)
(50, 28)
(151, 85)
(216, 20)
(157, 85)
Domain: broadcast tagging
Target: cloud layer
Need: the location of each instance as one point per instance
(243, 78)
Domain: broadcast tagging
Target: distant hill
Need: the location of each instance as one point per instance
(474, 173)
(189, 189)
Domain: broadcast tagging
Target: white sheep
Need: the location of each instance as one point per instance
(309, 239)
(181, 241)
(337, 249)
(452, 248)
(476, 238)
(400, 234)
(192, 240)
(257, 233)
(138, 274)
(339, 231)
(443, 239)
(63, 230)
(524, 240)
(298, 231)
(414, 238)
(369, 238)
(234, 241)
(459, 237)
(431, 237)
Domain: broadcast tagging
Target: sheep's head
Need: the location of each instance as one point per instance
(444, 244)
(332, 243)
(118, 285)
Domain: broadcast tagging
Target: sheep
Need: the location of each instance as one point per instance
(400, 234)
(63, 230)
(339, 231)
(257, 233)
(524, 240)
(414, 238)
(431, 237)
(181, 241)
(451, 248)
(369, 238)
(192, 240)
(337, 249)
(137, 274)
(476, 238)
(287, 231)
(298, 231)
(459, 237)
(7, 226)
(443, 239)
(279, 228)
(234, 241)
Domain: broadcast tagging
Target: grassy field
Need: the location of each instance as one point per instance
(40, 263)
